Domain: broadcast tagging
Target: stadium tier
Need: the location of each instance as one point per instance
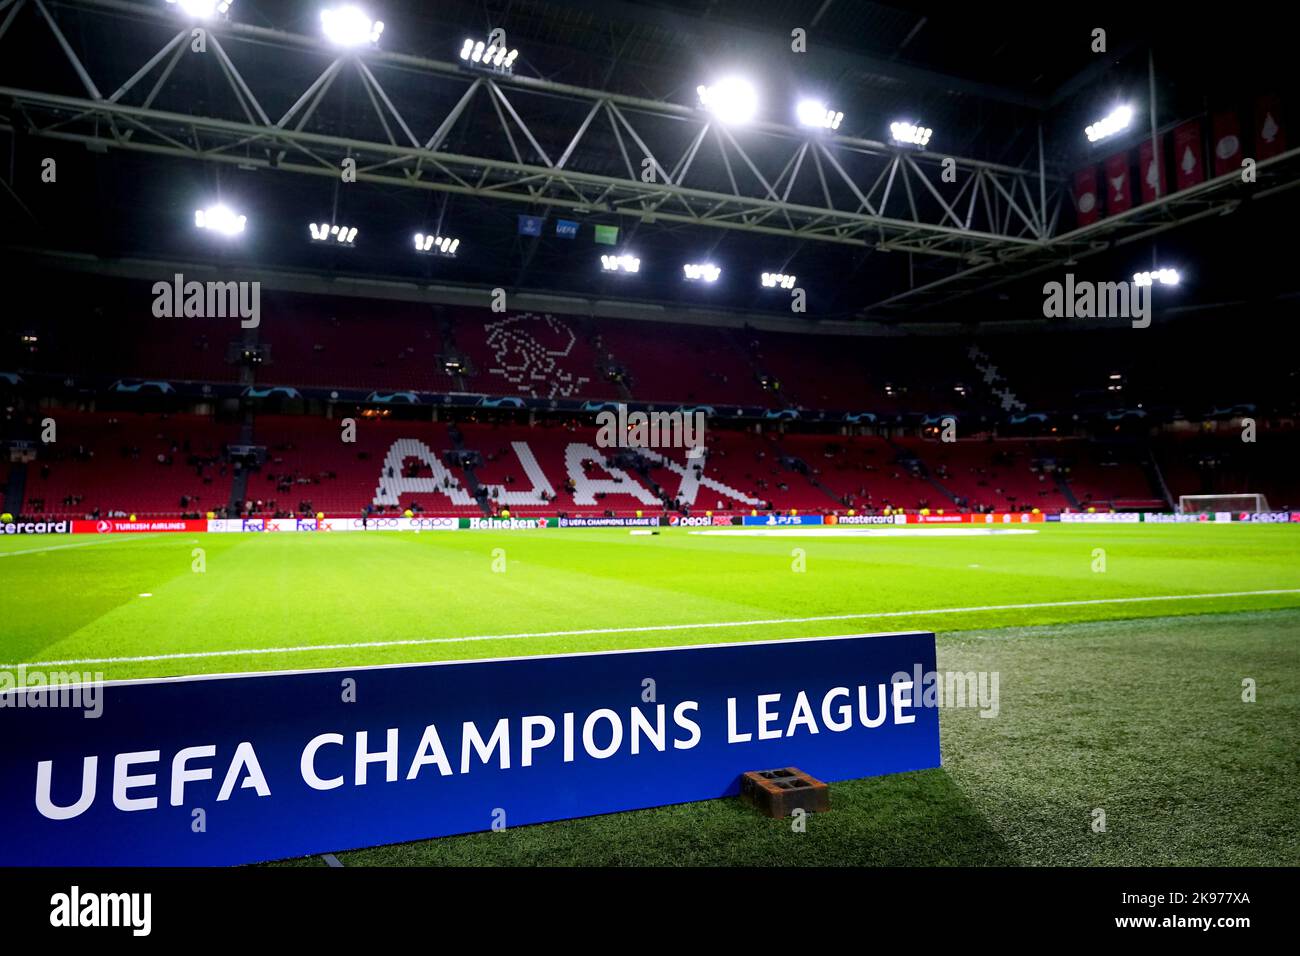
(351, 343)
(306, 341)
(121, 463)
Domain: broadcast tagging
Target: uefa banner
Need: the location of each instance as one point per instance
(237, 769)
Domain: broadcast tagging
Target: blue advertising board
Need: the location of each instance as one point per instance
(241, 768)
(774, 519)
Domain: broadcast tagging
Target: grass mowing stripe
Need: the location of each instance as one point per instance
(650, 628)
(77, 544)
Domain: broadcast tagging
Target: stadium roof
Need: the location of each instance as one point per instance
(145, 130)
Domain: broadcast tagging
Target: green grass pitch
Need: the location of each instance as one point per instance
(1129, 706)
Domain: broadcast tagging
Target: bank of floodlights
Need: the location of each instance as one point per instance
(488, 54)
(815, 113)
(1162, 276)
(620, 263)
(1118, 119)
(220, 219)
(701, 272)
(335, 235)
(202, 9)
(910, 134)
(731, 100)
(432, 245)
(350, 26)
(777, 280)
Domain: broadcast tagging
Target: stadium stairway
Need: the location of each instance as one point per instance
(1157, 478)
(793, 462)
(14, 488)
(238, 490)
(239, 486)
(934, 483)
(1066, 491)
(915, 464)
(465, 465)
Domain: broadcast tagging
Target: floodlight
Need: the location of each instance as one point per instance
(1118, 119)
(492, 55)
(620, 263)
(220, 219)
(731, 100)
(327, 232)
(815, 113)
(701, 271)
(350, 26)
(1163, 276)
(772, 280)
(202, 9)
(910, 133)
(436, 245)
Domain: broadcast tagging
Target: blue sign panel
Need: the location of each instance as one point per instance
(241, 768)
(566, 229)
(773, 520)
(530, 225)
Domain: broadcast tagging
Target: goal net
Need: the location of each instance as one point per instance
(1203, 504)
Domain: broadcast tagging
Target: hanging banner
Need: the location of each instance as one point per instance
(1119, 187)
(1225, 143)
(1189, 157)
(1086, 204)
(1151, 174)
(1270, 139)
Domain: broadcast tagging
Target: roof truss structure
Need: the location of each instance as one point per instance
(543, 144)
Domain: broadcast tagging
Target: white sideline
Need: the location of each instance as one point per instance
(78, 544)
(644, 629)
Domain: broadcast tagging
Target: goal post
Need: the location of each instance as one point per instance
(1205, 504)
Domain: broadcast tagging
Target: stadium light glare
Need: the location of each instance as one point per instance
(202, 9)
(494, 56)
(816, 113)
(350, 26)
(773, 280)
(1118, 120)
(435, 245)
(220, 219)
(625, 262)
(327, 232)
(910, 134)
(1163, 276)
(731, 100)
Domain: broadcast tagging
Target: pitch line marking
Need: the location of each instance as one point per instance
(77, 544)
(194, 655)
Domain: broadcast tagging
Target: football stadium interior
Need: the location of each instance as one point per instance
(619, 325)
